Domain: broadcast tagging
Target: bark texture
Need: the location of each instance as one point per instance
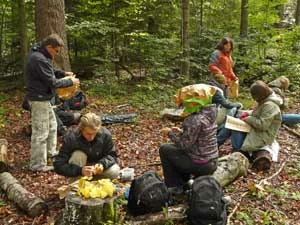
(26, 200)
(93, 211)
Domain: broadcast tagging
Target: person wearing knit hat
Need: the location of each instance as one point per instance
(264, 120)
(260, 91)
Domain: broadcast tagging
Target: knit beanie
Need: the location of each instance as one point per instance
(281, 82)
(220, 78)
(260, 91)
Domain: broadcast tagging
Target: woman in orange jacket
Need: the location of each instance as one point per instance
(221, 61)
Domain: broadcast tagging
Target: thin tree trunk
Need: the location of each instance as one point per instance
(50, 18)
(185, 66)
(298, 13)
(23, 33)
(244, 19)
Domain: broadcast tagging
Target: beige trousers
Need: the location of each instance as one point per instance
(44, 133)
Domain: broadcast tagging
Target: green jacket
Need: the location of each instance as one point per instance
(265, 121)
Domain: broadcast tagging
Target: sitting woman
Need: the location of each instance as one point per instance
(264, 120)
(279, 86)
(194, 149)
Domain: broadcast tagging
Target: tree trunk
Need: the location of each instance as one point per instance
(298, 13)
(230, 168)
(23, 34)
(50, 18)
(185, 66)
(27, 201)
(244, 19)
(94, 211)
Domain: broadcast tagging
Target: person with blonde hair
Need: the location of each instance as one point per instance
(279, 86)
(88, 151)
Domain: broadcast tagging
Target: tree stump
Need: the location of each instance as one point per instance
(94, 211)
(26, 200)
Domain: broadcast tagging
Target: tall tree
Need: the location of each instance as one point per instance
(50, 18)
(22, 32)
(244, 19)
(298, 13)
(185, 66)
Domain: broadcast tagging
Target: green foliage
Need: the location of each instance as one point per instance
(243, 216)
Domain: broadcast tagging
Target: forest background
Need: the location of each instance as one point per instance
(139, 52)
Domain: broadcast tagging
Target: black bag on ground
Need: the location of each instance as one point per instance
(147, 193)
(206, 204)
(77, 102)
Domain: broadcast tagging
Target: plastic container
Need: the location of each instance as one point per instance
(127, 174)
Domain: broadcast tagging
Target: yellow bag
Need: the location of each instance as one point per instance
(198, 91)
(233, 90)
(67, 92)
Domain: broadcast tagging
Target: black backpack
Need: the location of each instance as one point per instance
(206, 204)
(147, 194)
(77, 102)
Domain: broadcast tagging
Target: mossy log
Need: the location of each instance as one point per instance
(230, 168)
(26, 200)
(94, 211)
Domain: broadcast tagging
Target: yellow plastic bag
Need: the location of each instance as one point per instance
(233, 90)
(197, 91)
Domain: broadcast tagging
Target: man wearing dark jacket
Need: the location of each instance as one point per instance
(88, 151)
(40, 87)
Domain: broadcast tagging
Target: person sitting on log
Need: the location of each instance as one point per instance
(194, 150)
(87, 151)
(279, 86)
(264, 120)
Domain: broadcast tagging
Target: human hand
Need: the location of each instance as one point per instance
(88, 171)
(165, 131)
(244, 115)
(176, 129)
(75, 80)
(69, 74)
(98, 169)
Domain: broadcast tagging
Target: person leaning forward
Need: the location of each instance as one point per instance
(87, 151)
(40, 89)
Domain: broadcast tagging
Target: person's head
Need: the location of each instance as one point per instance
(284, 82)
(225, 45)
(260, 91)
(89, 125)
(53, 43)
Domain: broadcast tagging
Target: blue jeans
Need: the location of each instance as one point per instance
(237, 138)
(290, 119)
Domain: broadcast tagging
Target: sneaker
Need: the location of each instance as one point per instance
(42, 169)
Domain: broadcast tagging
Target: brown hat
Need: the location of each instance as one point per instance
(260, 91)
(220, 78)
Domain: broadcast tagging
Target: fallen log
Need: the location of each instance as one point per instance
(31, 204)
(3, 155)
(229, 169)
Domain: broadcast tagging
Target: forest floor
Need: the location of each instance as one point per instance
(271, 197)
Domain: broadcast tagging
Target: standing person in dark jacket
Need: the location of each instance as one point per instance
(194, 149)
(40, 87)
(88, 151)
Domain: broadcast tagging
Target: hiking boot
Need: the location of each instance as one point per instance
(262, 160)
(42, 169)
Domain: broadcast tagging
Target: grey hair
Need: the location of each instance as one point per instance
(90, 120)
